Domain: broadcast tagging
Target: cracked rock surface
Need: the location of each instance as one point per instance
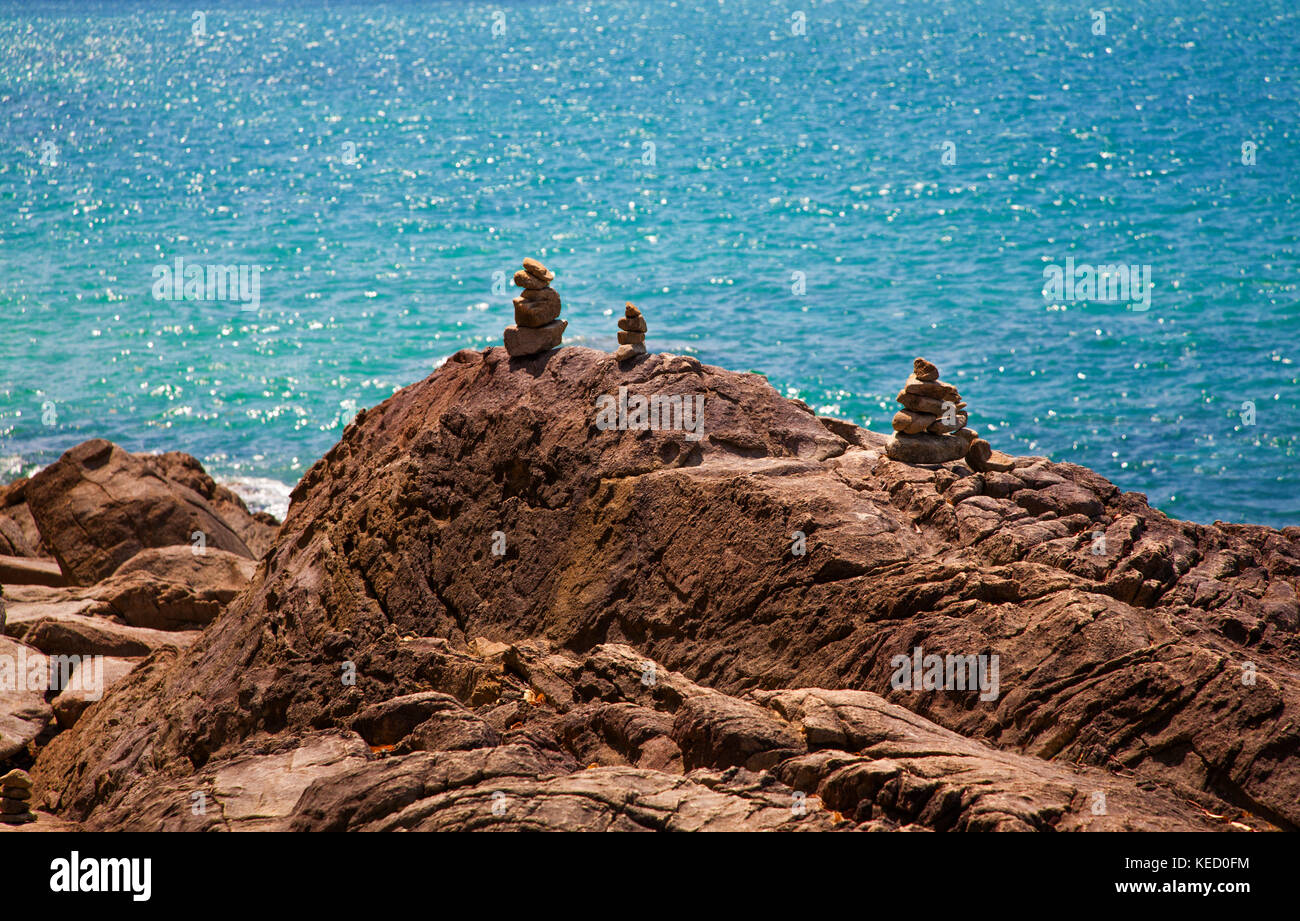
(649, 652)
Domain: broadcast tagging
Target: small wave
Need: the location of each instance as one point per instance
(260, 494)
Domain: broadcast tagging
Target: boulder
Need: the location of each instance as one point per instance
(82, 635)
(256, 529)
(98, 505)
(22, 570)
(174, 588)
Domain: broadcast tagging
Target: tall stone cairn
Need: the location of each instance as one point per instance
(631, 334)
(537, 327)
(931, 427)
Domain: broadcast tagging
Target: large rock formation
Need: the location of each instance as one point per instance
(483, 609)
(98, 505)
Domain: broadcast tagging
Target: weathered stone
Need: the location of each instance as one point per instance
(535, 314)
(925, 448)
(15, 779)
(384, 564)
(525, 279)
(90, 680)
(21, 570)
(626, 338)
(920, 404)
(540, 296)
(173, 588)
(632, 324)
(937, 390)
(24, 713)
(539, 271)
(521, 341)
(911, 423)
(98, 506)
(923, 370)
(940, 427)
(630, 350)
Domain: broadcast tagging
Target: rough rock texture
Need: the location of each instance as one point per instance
(24, 713)
(89, 682)
(256, 529)
(174, 588)
(98, 505)
(19, 535)
(1150, 660)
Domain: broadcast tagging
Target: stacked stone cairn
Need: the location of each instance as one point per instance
(631, 334)
(931, 427)
(537, 327)
(15, 798)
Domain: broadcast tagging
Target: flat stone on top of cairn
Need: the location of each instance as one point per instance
(15, 798)
(537, 327)
(631, 333)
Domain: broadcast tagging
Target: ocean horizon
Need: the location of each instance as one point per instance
(1092, 233)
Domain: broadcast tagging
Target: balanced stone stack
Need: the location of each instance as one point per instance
(631, 333)
(931, 426)
(15, 798)
(537, 327)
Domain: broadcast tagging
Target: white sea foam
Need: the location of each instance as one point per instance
(260, 493)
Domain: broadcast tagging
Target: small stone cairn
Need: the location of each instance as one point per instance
(15, 798)
(931, 426)
(631, 334)
(537, 327)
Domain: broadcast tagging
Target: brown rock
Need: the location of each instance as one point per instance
(384, 565)
(629, 350)
(535, 314)
(24, 714)
(88, 683)
(632, 324)
(256, 529)
(980, 457)
(911, 423)
(15, 779)
(521, 341)
(524, 279)
(925, 448)
(539, 271)
(920, 404)
(541, 295)
(940, 427)
(19, 535)
(626, 338)
(98, 505)
(172, 588)
(21, 570)
(923, 370)
(78, 634)
(937, 390)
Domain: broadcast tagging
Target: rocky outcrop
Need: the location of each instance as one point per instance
(782, 564)
(98, 505)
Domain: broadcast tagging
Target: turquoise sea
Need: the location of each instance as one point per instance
(818, 191)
